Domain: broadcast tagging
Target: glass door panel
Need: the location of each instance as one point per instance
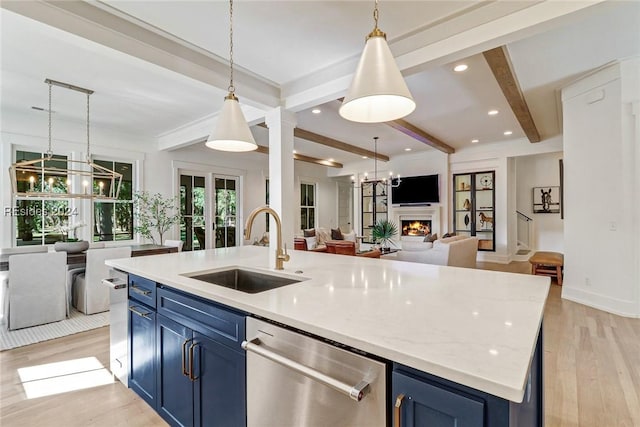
(226, 201)
(192, 208)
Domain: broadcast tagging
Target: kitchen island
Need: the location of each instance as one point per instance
(474, 328)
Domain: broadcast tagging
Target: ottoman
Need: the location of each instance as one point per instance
(547, 264)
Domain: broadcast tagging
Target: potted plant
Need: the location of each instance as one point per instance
(154, 213)
(383, 231)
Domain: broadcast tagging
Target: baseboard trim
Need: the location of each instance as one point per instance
(616, 306)
(492, 257)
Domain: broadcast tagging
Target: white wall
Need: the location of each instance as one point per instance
(326, 197)
(499, 156)
(601, 182)
(158, 170)
(541, 170)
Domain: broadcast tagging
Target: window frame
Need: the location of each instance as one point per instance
(308, 207)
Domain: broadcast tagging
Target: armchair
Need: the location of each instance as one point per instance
(89, 294)
(174, 243)
(37, 289)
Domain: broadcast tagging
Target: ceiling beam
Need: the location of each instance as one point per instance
(334, 143)
(500, 64)
(301, 157)
(420, 135)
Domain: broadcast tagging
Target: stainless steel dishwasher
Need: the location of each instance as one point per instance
(294, 380)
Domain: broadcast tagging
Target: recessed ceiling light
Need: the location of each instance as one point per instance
(364, 157)
(492, 112)
(407, 149)
(294, 151)
(460, 68)
(316, 111)
(507, 132)
(331, 160)
(475, 141)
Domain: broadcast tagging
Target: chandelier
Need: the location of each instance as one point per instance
(391, 181)
(47, 178)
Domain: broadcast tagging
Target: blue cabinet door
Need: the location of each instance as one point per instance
(422, 404)
(220, 397)
(142, 351)
(175, 388)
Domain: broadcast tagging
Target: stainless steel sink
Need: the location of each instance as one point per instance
(243, 280)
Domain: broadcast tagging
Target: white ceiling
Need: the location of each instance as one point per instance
(284, 41)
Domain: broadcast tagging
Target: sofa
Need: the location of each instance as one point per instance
(455, 251)
(315, 239)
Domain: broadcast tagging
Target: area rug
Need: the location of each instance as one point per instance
(77, 322)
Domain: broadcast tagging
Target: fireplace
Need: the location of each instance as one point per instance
(415, 227)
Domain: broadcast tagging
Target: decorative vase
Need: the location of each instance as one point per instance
(466, 219)
(466, 205)
(71, 247)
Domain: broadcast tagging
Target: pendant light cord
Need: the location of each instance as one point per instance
(88, 147)
(375, 158)
(375, 16)
(49, 151)
(231, 87)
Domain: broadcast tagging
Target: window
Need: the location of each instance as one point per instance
(307, 206)
(113, 220)
(41, 221)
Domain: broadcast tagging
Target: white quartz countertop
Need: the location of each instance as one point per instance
(473, 327)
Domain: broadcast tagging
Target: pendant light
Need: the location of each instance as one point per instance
(232, 131)
(378, 92)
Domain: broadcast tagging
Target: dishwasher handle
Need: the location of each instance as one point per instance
(355, 392)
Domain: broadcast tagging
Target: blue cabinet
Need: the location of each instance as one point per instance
(142, 338)
(175, 387)
(142, 353)
(201, 373)
(421, 399)
(220, 388)
(419, 403)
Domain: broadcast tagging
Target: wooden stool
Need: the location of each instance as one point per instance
(547, 264)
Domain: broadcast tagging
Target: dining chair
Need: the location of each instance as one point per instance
(5, 253)
(89, 295)
(36, 289)
(174, 244)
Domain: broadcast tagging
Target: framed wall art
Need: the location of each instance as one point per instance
(546, 199)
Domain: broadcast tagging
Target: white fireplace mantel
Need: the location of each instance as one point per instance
(400, 213)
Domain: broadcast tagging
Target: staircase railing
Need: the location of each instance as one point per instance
(525, 231)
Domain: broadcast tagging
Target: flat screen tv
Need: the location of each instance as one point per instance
(416, 190)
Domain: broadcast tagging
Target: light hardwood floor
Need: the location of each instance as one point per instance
(592, 374)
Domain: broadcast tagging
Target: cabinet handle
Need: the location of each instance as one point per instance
(139, 313)
(184, 352)
(139, 290)
(397, 410)
(191, 347)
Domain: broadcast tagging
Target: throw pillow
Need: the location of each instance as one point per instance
(336, 234)
(323, 235)
(311, 242)
(311, 232)
(448, 235)
(430, 238)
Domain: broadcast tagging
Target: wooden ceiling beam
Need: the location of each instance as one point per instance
(301, 157)
(500, 64)
(334, 143)
(420, 135)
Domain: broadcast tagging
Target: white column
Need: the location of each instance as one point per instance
(281, 180)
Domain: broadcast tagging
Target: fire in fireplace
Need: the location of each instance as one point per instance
(416, 227)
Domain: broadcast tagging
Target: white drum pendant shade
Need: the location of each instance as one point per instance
(378, 92)
(232, 131)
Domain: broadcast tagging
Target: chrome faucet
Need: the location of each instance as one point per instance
(281, 251)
